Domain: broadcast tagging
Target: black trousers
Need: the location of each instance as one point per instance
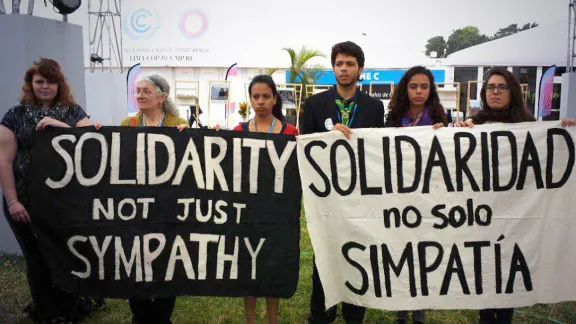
(152, 311)
(320, 315)
(417, 315)
(49, 302)
(496, 316)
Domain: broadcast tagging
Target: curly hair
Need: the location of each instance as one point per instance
(400, 103)
(52, 71)
(348, 48)
(516, 113)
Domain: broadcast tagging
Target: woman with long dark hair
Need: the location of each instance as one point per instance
(502, 102)
(415, 101)
(267, 106)
(46, 101)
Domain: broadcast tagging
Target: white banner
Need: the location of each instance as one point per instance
(412, 218)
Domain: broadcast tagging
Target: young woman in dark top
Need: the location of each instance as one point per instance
(267, 106)
(502, 102)
(46, 100)
(268, 118)
(415, 101)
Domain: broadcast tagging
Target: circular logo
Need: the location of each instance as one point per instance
(193, 24)
(328, 124)
(142, 23)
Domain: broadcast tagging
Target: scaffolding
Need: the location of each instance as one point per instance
(105, 34)
(571, 36)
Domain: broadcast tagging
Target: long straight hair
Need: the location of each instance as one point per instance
(267, 80)
(515, 113)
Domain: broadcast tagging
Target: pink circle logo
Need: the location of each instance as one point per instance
(193, 24)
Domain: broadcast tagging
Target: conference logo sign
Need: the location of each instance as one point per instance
(141, 24)
(193, 24)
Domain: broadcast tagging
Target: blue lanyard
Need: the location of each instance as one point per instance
(159, 125)
(271, 125)
(356, 98)
(353, 115)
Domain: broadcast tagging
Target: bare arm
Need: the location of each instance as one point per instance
(8, 149)
(83, 122)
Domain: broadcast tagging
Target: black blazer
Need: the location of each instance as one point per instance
(321, 106)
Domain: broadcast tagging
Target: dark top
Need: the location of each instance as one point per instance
(287, 129)
(22, 122)
(321, 112)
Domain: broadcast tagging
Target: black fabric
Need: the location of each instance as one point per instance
(152, 311)
(22, 121)
(48, 302)
(246, 127)
(496, 316)
(192, 119)
(270, 216)
(320, 107)
(417, 316)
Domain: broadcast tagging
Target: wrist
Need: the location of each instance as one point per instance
(11, 202)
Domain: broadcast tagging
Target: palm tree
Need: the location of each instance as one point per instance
(300, 71)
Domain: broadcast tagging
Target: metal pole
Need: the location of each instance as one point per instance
(568, 58)
(120, 48)
(572, 13)
(30, 7)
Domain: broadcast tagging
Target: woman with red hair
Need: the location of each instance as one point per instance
(46, 100)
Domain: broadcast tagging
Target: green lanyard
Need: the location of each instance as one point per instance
(347, 112)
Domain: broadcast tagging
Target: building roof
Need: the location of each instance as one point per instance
(539, 46)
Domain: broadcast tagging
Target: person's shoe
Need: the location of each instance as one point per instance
(400, 321)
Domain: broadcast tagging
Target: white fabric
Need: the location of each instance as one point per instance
(540, 221)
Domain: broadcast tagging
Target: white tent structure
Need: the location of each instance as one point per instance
(533, 49)
(540, 46)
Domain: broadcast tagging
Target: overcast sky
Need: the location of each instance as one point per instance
(392, 28)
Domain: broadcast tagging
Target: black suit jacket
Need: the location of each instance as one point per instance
(321, 106)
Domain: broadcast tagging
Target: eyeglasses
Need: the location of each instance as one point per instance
(502, 88)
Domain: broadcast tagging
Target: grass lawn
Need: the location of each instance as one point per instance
(14, 296)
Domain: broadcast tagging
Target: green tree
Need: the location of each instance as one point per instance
(463, 38)
(507, 31)
(300, 70)
(512, 29)
(436, 44)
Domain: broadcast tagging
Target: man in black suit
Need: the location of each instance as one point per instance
(340, 108)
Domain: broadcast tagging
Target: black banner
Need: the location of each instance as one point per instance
(151, 212)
